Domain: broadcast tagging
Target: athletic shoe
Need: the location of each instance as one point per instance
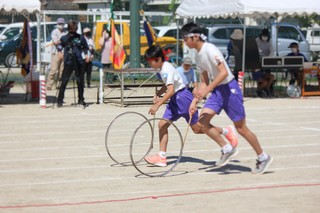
(82, 103)
(232, 136)
(262, 166)
(225, 157)
(156, 160)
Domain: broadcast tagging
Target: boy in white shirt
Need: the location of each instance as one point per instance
(225, 94)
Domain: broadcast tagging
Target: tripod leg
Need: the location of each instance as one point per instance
(55, 97)
(74, 89)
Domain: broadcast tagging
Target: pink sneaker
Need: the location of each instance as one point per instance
(232, 136)
(156, 160)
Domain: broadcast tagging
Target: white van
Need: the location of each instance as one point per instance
(313, 37)
(168, 31)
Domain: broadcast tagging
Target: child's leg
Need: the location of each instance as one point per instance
(227, 150)
(163, 134)
(160, 159)
(245, 132)
(264, 160)
(206, 128)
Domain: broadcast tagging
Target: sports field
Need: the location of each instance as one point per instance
(55, 160)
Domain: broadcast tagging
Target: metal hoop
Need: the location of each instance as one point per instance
(109, 128)
(134, 163)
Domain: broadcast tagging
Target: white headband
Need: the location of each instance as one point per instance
(202, 36)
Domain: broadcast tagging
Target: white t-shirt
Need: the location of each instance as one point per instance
(170, 75)
(206, 61)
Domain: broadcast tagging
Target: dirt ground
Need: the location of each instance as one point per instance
(55, 160)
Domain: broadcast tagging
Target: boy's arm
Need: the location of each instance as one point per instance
(204, 90)
(168, 94)
(223, 74)
(159, 102)
(158, 94)
(194, 78)
(161, 90)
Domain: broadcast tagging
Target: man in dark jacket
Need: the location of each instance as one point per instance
(75, 55)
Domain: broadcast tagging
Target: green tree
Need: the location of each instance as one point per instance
(171, 8)
(117, 5)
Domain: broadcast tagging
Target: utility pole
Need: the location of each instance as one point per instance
(134, 34)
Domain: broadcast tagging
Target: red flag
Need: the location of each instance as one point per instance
(117, 53)
(24, 52)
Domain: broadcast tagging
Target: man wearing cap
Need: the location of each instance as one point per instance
(188, 74)
(296, 74)
(88, 65)
(56, 57)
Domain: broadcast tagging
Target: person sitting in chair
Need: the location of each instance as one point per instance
(295, 73)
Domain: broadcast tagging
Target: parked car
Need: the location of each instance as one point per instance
(2, 26)
(286, 34)
(8, 51)
(312, 35)
(169, 31)
(12, 41)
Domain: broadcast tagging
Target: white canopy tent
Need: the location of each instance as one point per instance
(246, 9)
(20, 6)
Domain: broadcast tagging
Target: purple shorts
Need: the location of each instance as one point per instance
(178, 107)
(229, 98)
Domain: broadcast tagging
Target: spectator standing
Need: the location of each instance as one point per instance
(56, 56)
(105, 44)
(235, 48)
(88, 65)
(264, 78)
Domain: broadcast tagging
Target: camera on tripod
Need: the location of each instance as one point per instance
(73, 41)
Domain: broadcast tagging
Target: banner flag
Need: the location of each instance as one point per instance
(117, 53)
(24, 52)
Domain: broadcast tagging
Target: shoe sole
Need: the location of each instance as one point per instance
(227, 161)
(265, 168)
(156, 164)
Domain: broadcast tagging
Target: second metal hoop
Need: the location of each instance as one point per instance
(109, 129)
(134, 162)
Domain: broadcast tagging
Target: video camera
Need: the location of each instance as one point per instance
(74, 40)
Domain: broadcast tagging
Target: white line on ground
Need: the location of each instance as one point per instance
(185, 151)
(132, 177)
(103, 166)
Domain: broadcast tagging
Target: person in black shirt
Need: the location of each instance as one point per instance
(75, 55)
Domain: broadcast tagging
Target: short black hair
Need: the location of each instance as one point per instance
(265, 32)
(293, 44)
(191, 27)
(154, 51)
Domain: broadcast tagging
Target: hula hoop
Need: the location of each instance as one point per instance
(136, 162)
(109, 129)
